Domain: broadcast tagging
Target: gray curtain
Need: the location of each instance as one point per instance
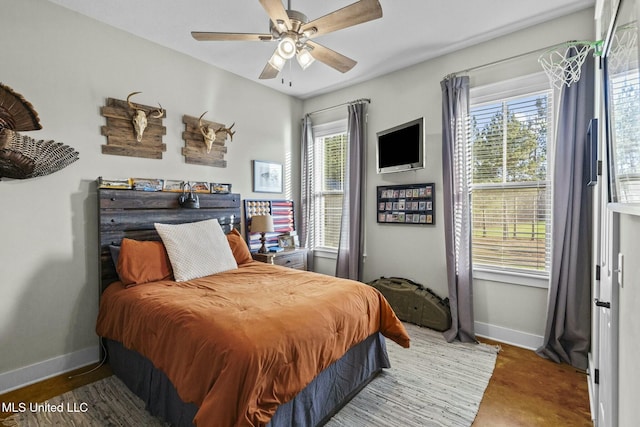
(457, 224)
(308, 227)
(351, 246)
(567, 336)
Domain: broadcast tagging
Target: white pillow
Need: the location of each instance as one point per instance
(196, 249)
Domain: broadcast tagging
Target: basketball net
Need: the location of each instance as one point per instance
(625, 42)
(563, 65)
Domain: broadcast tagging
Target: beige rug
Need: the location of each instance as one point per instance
(431, 384)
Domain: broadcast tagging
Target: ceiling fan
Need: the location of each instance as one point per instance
(294, 32)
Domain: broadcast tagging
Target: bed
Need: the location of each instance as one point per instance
(253, 345)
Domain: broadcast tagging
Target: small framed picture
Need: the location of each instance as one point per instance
(173, 185)
(267, 177)
(147, 184)
(115, 183)
(220, 188)
(286, 242)
(200, 187)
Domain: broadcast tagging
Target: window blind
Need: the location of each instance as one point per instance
(510, 187)
(334, 158)
(329, 163)
(624, 89)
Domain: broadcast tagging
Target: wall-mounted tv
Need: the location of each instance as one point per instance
(401, 148)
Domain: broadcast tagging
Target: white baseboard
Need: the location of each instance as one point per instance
(508, 336)
(27, 375)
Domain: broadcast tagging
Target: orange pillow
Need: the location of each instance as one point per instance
(143, 261)
(239, 247)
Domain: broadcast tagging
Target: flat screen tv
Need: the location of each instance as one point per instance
(401, 148)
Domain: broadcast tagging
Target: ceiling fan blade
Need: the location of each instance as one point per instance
(269, 72)
(207, 36)
(276, 12)
(348, 16)
(330, 57)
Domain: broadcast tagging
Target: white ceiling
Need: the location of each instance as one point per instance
(409, 32)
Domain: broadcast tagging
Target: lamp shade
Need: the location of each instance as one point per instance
(261, 223)
(287, 47)
(277, 61)
(304, 58)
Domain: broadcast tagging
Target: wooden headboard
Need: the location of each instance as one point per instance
(131, 214)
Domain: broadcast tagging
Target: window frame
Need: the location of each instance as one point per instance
(500, 92)
(321, 131)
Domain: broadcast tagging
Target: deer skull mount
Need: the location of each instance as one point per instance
(207, 132)
(210, 134)
(139, 117)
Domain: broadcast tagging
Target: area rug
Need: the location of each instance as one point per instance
(431, 384)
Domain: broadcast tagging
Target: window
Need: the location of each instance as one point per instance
(510, 138)
(331, 154)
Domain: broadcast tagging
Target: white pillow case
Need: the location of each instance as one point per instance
(196, 249)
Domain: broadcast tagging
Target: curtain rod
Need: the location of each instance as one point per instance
(357, 101)
(520, 55)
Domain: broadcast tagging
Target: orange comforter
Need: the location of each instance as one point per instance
(240, 343)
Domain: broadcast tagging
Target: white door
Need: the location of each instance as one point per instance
(606, 310)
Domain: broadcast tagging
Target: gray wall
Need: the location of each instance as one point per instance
(509, 312)
(66, 65)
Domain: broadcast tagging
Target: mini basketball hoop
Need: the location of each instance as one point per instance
(563, 63)
(625, 42)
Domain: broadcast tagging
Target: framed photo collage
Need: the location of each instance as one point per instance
(406, 204)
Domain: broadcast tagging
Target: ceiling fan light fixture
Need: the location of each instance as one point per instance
(282, 27)
(304, 58)
(277, 61)
(309, 32)
(287, 47)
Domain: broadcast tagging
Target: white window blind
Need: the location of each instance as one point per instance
(624, 88)
(510, 186)
(331, 143)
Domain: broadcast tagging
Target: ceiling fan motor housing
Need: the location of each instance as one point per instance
(297, 19)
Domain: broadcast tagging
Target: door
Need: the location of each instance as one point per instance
(606, 309)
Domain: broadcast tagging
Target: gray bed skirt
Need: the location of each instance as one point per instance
(313, 406)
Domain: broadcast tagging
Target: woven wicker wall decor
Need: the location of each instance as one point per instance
(195, 148)
(121, 133)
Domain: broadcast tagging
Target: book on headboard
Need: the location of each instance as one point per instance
(283, 214)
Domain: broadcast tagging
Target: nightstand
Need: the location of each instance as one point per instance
(292, 258)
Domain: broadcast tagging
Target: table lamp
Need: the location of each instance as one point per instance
(262, 224)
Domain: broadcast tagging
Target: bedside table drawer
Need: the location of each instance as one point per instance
(292, 260)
